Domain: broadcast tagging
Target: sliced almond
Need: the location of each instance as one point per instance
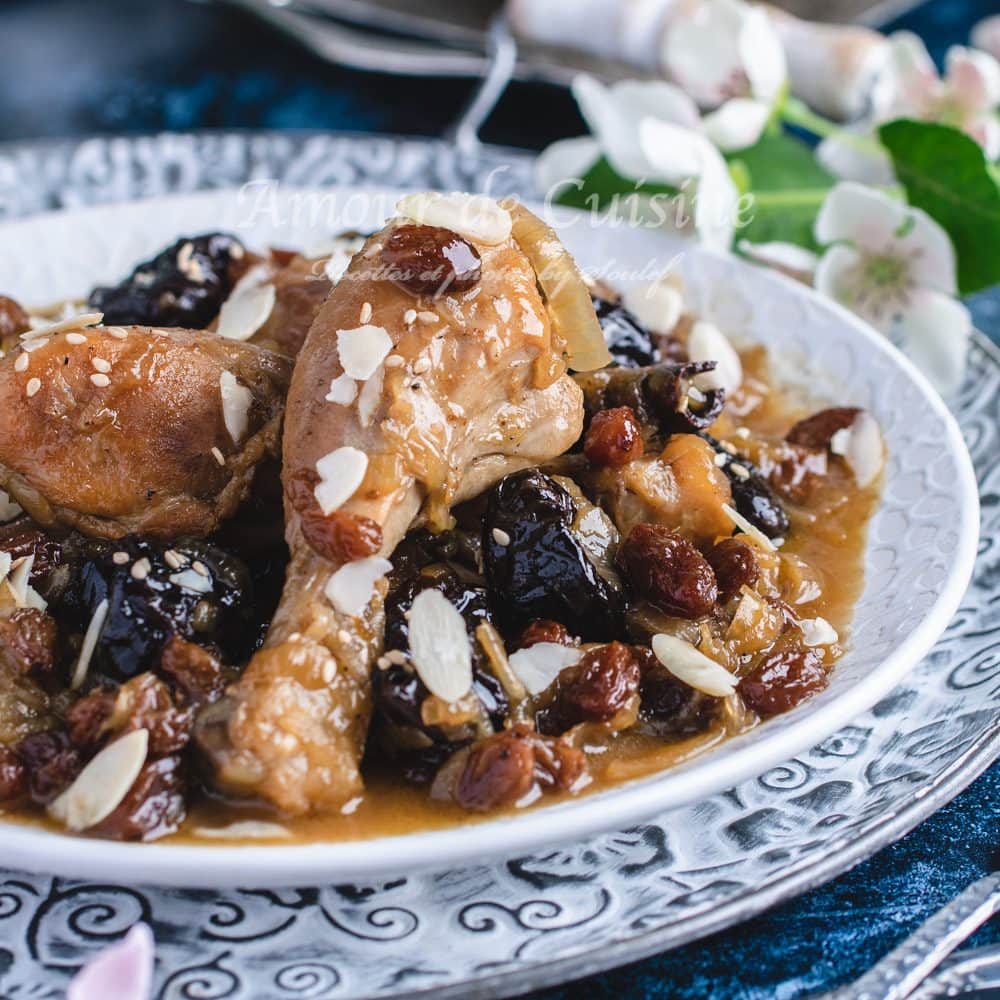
(5, 564)
(8, 508)
(473, 216)
(191, 579)
(706, 342)
(693, 667)
(539, 665)
(749, 529)
(352, 587)
(863, 449)
(343, 390)
(657, 305)
(439, 646)
(48, 329)
(103, 783)
(818, 632)
(236, 400)
(362, 350)
(248, 307)
(341, 472)
(90, 638)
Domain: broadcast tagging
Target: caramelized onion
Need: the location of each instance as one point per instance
(570, 307)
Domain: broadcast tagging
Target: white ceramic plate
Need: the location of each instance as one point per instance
(920, 553)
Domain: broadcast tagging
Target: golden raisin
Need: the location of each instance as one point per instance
(614, 437)
(545, 630)
(734, 565)
(339, 536)
(430, 260)
(783, 680)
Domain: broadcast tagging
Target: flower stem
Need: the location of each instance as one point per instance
(795, 112)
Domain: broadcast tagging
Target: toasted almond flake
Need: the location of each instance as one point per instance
(244, 829)
(475, 217)
(19, 579)
(864, 451)
(531, 796)
(706, 342)
(343, 390)
(839, 440)
(362, 350)
(658, 305)
(192, 580)
(21, 364)
(76, 339)
(8, 508)
(5, 563)
(439, 646)
(341, 473)
(369, 398)
(817, 632)
(539, 665)
(101, 364)
(103, 783)
(30, 346)
(218, 456)
(410, 317)
(173, 559)
(693, 667)
(90, 638)
(248, 306)
(501, 537)
(120, 558)
(34, 384)
(70, 323)
(140, 569)
(352, 587)
(747, 528)
(236, 400)
(366, 313)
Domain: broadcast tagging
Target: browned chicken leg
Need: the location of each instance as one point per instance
(441, 397)
(132, 429)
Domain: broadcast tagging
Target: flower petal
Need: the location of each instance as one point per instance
(973, 78)
(930, 251)
(933, 331)
(656, 99)
(853, 155)
(563, 162)
(123, 971)
(614, 127)
(790, 259)
(908, 79)
(840, 276)
(736, 124)
(674, 153)
(986, 35)
(702, 51)
(763, 56)
(860, 214)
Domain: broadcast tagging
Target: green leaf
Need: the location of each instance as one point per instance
(946, 173)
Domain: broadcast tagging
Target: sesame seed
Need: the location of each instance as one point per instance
(22, 363)
(421, 365)
(101, 381)
(366, 312)
(501, 537)
(383, 663)
(426, 316)
(120, 558)
(743, 432)
(75, 338)
(34, 384)
(394, 361)
(140, 569)
(343, 635)
(329, 671)
(100, 364)
(218, 456)
(721, 458)
(118, 332)
(726, 446)
(740, 470)
(173, 559)
(410, 316)
(396, 657)
(200, 568)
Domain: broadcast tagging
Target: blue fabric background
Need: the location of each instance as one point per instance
(71, 67)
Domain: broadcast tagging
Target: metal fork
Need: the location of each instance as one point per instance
(916, 969)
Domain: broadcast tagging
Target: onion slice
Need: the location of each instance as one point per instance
(570, 308)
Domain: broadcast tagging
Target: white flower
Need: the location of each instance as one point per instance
(986, 35)
(728, 56)
(909, 86)
(649, 132)
(894, 266)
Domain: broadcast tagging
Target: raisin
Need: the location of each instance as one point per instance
(796, 471)
(545, 630)
(13, 319)
(668, 571)
(145, 702)
(816, 431)
(194, 669)
(783, 680)
(88, 717)
(339, 536)
(152, 807)
(734, 565)
(52, 764)
(594, 690)
(29, 642)
(614, 437)
(21, 537)
(13, 776)
(430, 260)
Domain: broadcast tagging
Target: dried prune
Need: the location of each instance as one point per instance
(614, 437)
(29, 642)
(669, 707)
(752, 495)
(152, 807)
(782, 680)
(537, 567)
(13, 319)
(191, 589)
(183, 285)
(430, 260)
(816, 431)
(630, 343)
(668, 571)
(734, 565)
(51, 762)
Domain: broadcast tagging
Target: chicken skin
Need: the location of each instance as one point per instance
(443, 395)
(115, 430)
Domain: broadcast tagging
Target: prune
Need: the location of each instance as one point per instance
(152, 807)
(29, 642)
(430, 260)
(669, 707)
(502, 769)
(337, 536)
(734, 565)
(13, 776)
(183, 285)
(782, 680)
(668, 571)
(614, 437)
(594, 690)
(22, 537)
(816, 431)
(52, 763)
(13, 319)
(191, 589)
(630, 343)
(752, 495)
(536, 567)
